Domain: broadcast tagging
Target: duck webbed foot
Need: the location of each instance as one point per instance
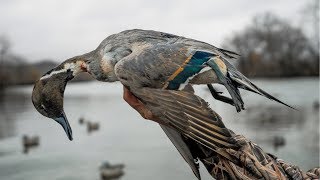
(219, 97)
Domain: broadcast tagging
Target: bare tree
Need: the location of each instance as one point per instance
(4, 49)
(310, 22)
(272, 47)
(4, 46)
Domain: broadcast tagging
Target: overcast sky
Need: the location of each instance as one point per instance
(59, 29)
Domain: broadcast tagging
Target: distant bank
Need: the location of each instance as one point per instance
(21, 73)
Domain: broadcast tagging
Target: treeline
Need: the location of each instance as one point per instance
(15, 70)
(20, 72)
(271, 47)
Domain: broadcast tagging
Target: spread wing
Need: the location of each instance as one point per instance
(189, 115)
(181, 145)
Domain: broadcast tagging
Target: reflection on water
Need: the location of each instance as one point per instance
(10, 104)
(283, 117)
(124, 137)
(278, 122)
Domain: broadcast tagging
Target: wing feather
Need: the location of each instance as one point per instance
(176, 138)
(188, 114)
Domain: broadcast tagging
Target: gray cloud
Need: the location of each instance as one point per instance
(60, 29)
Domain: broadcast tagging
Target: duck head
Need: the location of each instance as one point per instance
(48, 91)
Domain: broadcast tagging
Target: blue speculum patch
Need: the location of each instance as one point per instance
(193, 67)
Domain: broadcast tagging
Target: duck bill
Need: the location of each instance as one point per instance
(63, 121)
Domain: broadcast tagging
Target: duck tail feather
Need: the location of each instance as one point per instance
(230, 85)
(249, 86)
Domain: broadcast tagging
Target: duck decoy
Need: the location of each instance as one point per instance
(81, 120)
(29, 142)
(278, 141)
(111, 171)
(159, 69)
(92, 126)
(316, 105)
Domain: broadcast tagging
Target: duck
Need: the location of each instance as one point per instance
(111, 171)
(159, 69)
(278, 141)
(81, 120)
(29, 142)
(92, 126)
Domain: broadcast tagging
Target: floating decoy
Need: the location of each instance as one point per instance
(159, 69)
(81, 120)
(278, 141)
(110, 172)
(92, 126)
(316, 105)
(29, 142)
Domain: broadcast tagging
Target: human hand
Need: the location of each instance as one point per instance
(136, 104)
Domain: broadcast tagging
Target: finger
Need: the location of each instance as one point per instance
(130, 98)
(126, 93)
(135, 103)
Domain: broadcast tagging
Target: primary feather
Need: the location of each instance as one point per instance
(244, 83)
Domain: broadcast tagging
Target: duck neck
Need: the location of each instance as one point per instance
(69, 68)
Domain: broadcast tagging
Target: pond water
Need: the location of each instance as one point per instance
(124, 137)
